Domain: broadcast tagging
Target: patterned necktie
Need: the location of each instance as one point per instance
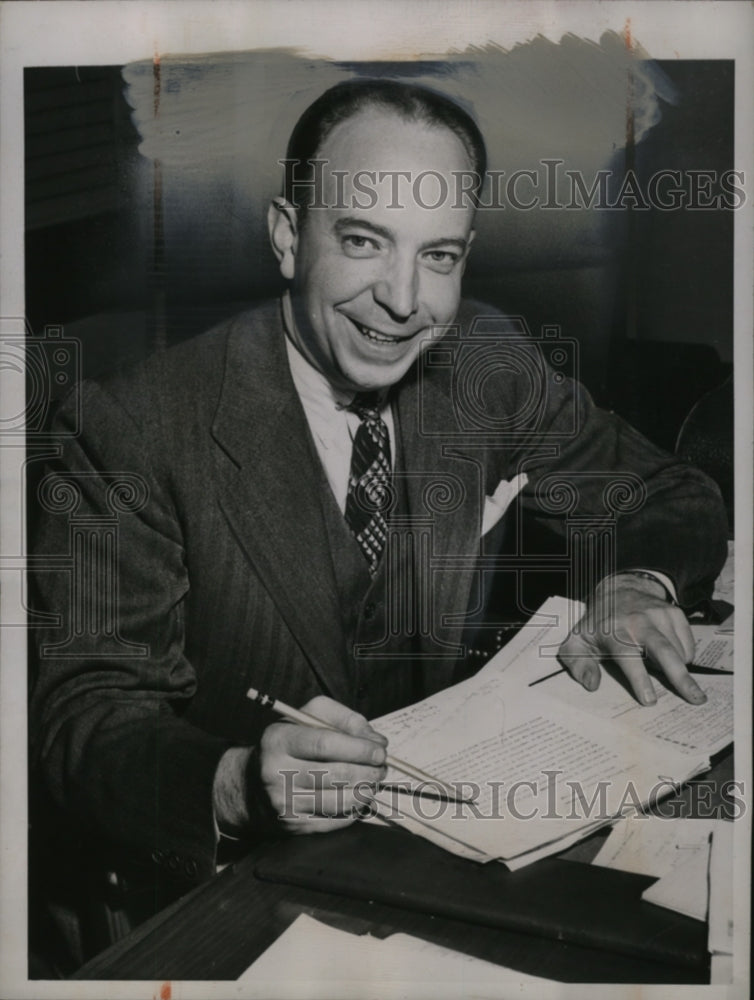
(369, 493)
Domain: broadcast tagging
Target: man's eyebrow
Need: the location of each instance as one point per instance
(351, 221)
(453, 241)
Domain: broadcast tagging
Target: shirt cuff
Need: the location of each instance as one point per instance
(664, 581)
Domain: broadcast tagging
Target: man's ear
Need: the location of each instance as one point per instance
(282, 225)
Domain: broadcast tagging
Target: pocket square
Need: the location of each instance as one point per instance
(496, 505)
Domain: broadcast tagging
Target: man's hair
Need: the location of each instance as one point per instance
(344, 100)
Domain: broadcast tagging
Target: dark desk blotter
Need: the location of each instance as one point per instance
(573, 902)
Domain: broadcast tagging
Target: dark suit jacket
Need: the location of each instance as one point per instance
(224, 578)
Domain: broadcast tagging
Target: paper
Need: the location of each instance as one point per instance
(313, 960)
(714, 645)
(562, 844)
(704, 728)
(390, 805)
(543, 768)
(725, 585)
(540, 774)
(677, 851)
(721, 969)
(652, 845)
(727, 627)
(685, 888)
(720, 939)
(532, 653)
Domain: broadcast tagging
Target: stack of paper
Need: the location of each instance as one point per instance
(546, 762)
(312, 960)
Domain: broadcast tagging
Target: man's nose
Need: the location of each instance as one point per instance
(397, 288)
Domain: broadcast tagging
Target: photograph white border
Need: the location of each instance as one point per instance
(101, 33)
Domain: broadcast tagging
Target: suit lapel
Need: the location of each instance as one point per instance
(270, 490)
(427, 421)
(269, 486)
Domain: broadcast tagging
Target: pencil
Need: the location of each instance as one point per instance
(305, 719)
(691, 668)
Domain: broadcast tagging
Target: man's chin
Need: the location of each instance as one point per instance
(376, 377)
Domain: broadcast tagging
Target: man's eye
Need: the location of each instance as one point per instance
(442, 260)
(359, 245)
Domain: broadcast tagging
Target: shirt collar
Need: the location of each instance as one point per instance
(313, 387)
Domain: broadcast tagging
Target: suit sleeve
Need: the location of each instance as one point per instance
(108, 734)
(587, 465)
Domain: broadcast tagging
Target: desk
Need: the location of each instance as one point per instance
(222, 926)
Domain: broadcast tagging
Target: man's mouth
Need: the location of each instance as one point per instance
(375, 336)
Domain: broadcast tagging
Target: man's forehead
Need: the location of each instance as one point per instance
(377, 163)
(379, 139)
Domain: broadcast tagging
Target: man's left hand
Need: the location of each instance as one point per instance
(628, 620)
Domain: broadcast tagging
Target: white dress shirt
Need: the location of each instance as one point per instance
(333, 427)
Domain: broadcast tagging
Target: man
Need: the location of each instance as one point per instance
(283, 467)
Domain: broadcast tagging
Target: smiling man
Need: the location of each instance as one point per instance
(370, 284)
(287, 534)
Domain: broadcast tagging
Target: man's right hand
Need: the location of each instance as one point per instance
(316, 779)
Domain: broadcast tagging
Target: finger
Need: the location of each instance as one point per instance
(304, 774)
(286, 747)
(682, 630)
(664, 655)
(333, 803)
(631, 629)
(577, 655)
(628, 654)
(342, 718)
(340, 804)
(313, 792)
(321, 824)
(309, 744)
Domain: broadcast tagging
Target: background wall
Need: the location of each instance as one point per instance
(147, 187)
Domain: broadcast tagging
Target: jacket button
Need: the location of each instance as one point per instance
(158, 856)
(370, 610)
(173, 861)
(189, 867)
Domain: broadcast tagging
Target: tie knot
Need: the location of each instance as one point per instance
(366, 405)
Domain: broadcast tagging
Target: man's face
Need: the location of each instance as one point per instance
(370, 283)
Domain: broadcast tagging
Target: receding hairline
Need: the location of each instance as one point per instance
(407, 102)
(389, 111)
